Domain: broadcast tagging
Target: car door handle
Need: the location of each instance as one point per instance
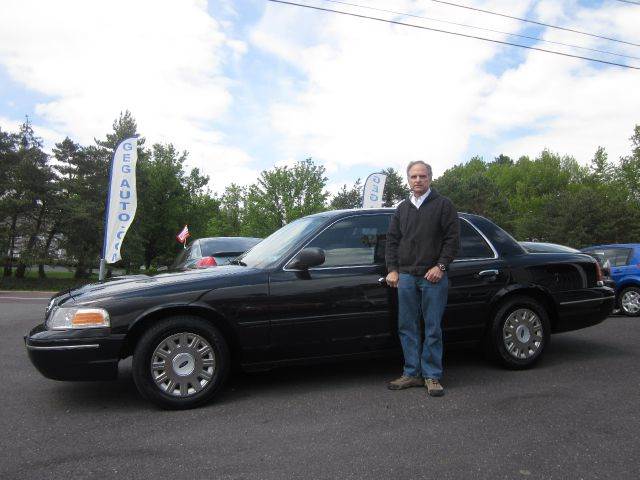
(382, 281)
(488, 273)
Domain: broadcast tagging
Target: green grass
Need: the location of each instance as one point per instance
(55, 281)
(46, 284)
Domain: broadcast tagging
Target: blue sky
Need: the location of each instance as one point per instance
(247, 84)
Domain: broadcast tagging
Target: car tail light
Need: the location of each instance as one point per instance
(205, 262)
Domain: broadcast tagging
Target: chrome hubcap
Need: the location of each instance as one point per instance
(182, 364)
(630, 301)
(522, 333)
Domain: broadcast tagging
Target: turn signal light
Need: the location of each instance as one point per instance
(88, 318)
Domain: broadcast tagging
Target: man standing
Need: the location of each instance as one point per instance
(422, 241)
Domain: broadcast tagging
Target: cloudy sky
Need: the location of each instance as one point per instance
(244, 85)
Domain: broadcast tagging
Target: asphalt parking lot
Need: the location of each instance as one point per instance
(575, 416)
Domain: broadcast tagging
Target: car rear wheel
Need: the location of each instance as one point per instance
(629, 301)
(519, 333)
(181, 362)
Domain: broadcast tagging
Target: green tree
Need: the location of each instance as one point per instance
(8, 217)
(395, 188)
(347, 197)
(629, 171)
(228, 219)
(83, 178)
(25, 200)
(284, 194)
(601, 169)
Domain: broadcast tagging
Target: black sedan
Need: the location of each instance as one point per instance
(312, 291)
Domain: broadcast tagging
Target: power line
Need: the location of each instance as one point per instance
(528, 20)
(454, 33)
(484, 29)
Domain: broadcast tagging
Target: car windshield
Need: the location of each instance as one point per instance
(272, 248)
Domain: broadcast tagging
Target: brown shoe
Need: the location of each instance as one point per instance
(434, 387)
(404, 382)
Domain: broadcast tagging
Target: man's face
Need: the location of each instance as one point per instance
(419, 181)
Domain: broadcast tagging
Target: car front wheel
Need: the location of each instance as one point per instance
(629, 301)
(181, 362)
(519, 333)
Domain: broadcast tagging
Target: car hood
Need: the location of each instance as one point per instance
(195, 281)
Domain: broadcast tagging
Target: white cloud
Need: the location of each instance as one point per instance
(161, 59)
(572, 105)
(378, 95)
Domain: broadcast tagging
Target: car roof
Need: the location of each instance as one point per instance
(350, 211)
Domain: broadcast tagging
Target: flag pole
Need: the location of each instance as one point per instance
(102, 269)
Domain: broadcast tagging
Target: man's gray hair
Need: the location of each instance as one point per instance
(420, 162)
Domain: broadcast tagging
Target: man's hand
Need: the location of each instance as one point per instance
(434, 274)
(392, 279)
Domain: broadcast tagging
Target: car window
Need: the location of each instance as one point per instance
(354, 241)
(212, 246)
(472, 245)
(617, 257)
(224, 260)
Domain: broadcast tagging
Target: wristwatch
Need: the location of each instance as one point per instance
(442, 267)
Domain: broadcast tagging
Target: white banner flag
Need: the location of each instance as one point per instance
(372, 192)
(122, 200)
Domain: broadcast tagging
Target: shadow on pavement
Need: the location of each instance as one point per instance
(463, 366)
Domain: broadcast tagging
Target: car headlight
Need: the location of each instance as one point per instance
(73, 318)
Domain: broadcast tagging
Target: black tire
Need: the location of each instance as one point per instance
(627, 291)
(518, 347)
(177, 343)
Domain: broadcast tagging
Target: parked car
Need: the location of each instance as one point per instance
(623, 260)
(212, 251)
(313, 290)
(545, 247)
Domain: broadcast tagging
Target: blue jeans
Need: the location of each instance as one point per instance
(417, 298)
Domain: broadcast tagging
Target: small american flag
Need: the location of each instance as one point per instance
(183, 235)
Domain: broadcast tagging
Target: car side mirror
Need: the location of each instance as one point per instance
(307, 258)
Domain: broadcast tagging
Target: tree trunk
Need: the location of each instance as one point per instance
(45, 251)
(21, 269)
(81, 271)
(12, 245)
(81, 267)
(26, 255)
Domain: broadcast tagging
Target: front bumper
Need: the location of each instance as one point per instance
(91, 354)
